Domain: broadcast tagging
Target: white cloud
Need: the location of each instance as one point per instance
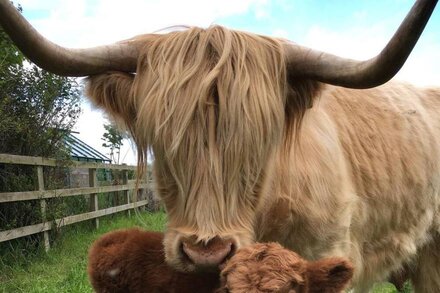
(91, 129)
(356, 43)
(73, 23)
(262, 9)
(423, 65)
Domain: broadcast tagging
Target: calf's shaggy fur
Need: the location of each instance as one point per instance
(268, 267)
(133, 261)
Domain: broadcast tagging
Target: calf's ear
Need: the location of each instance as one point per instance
(329, 275)
(112, 92)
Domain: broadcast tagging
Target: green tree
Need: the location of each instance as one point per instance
(37, 109)
(113, 138)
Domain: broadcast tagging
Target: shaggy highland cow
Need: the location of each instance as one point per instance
(133, 261)
(244, 153)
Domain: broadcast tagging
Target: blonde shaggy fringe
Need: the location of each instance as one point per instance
(208, 96)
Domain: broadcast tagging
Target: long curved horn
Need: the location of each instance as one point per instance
(63, 61)
(328, 68)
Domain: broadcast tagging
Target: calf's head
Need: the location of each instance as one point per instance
(268, 267)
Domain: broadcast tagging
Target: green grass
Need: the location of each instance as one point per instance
(63, 268)
(389, 288)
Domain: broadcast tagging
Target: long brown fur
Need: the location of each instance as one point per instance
(133, 261)
(245, 152)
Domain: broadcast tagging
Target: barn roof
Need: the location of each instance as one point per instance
(80, 151)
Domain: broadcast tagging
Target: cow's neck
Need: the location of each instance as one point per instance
(307, 190)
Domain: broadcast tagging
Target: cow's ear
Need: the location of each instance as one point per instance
(112, 92)
(329, 275)
(300, 96)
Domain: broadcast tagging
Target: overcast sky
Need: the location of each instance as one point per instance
(356, 29)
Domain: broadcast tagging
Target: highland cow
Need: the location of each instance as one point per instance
(245, 153)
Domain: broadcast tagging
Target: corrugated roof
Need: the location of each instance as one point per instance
(81, 150)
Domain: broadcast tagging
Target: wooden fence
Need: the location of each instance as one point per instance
(92, 191)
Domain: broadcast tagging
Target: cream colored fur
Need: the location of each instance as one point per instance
(240, 153)
(363, 182)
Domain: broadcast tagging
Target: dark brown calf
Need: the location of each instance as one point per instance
(133, 261)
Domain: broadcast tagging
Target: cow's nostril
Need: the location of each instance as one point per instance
(209, 255)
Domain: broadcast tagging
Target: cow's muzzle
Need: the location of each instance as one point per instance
(208, 255)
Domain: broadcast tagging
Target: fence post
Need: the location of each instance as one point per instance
(43, 206)
(126, 192)
(93, 182)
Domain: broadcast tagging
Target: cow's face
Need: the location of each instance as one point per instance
(211, 106)
(210, 214)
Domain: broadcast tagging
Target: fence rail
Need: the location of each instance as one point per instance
(40, 161)
(92, 191)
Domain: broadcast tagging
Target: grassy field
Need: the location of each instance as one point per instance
(63, 269)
